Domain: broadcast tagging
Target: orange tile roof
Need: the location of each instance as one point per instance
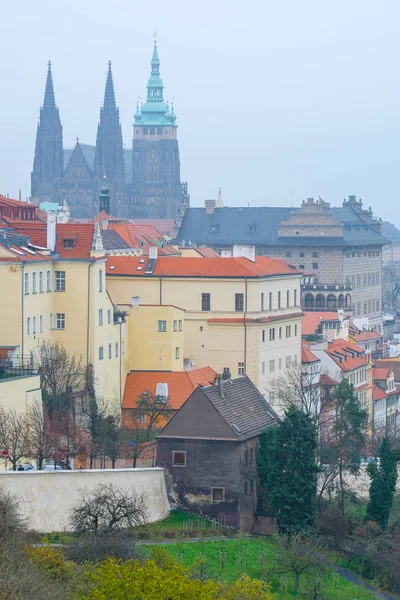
(391, 363)
(381, 373)
(306, 355)
(164, 226)
(83, 235)
(180, 384)
(186, 266)
(378, 393)
(327, 380)
(17, 254)
(352, 355)
(5, 351)
(207, 252)
(312, 320)
(364, 336)
(12, 202)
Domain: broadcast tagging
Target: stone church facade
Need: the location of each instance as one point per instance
(144, 181)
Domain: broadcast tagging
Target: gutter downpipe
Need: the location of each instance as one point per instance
(22, 314)
(245, 326)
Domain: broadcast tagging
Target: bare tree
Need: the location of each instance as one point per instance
(156, 408)
(391, 283)
(42, 439)
(14, 435)
(69, 440)
(135, 442)
(108, 508)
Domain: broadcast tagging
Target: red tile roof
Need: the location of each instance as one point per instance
(391, 363)
(306, 355)
(378, 393)
(5, 351)
(199, 267)
(164, 226)
(327, 380)
(180, 384)
(17, 254)
(312, 320)
(207, 252)
(364, 336)
(346, 355)
(82, 233)
(381, 373)
(12, 202)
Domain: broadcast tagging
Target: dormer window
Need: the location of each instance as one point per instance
(69, 243)
(214, 228)
(251, 228)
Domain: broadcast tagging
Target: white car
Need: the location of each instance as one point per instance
(52, 468)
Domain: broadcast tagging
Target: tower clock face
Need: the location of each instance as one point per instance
(152, 158)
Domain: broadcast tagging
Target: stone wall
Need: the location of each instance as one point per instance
(46, 498)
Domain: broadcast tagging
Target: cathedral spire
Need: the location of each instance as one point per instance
(109, 104)
(155, 85)
(49, 103)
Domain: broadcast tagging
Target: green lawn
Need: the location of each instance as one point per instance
(228, 559)
(179, 524)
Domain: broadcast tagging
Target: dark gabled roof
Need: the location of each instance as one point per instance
(67, 153)
(242, 407)
(88, 153)
(112, 240)
(391, 232)
(259, 226)
(232, 225)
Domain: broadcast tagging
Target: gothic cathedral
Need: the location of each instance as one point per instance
(144, 182)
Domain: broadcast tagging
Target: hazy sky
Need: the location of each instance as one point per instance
(276, 101)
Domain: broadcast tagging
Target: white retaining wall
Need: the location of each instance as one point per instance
(46, 497)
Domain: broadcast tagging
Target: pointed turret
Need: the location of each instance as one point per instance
(220, 200)
(109, 104)
(47, 173)
(155, 85)
(49, 103)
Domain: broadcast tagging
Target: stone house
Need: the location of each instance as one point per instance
(209, 448)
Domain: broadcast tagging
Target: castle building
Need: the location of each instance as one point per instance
(144, 181)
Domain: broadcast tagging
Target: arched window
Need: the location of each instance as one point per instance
(331, 302)
(320, 301)
(341, 301)
(309, 301)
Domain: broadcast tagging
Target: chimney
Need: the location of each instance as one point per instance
(153, 252)
(248, 252)
(219, 385)
(210, 206)
(51, 230)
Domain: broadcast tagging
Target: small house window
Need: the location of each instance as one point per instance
(178, 458)
(180, 325)
(60, 321)
(60, 281)
(162, 326)
(69, 243)
(177, 352)
(217, 494)
(142, 418)
(175, 325)
(239, 302)
(315, 265)
(240, 368)
(41, 282)
(48, 276)
(205, 302)
(101, 353)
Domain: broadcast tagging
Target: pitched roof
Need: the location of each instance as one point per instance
(312, 320)
(164, 226)
(5, 351)
(378, 394)
(199, 267)
(346, 355)
(207, 252)
(390, 363)
(180, 384)
(391, 232)
(112, 240)
(364, 336)
(381, 373)
(21, 254)
(325, 379)
(242, 407)
(81, 233)
(143, 236)
(306, 355)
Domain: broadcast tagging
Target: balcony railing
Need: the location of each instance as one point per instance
(334, 287)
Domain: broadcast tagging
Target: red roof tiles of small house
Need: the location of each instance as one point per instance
(378, 393)
(5, 351)
(364, 336)
(82, 236)
(346, 355)
(381, 373)
(198, 267)
(327, 380)
(180, 384)
(312, 320)
(391, 363)
(306, 355)
(207, 252)
(35, 230)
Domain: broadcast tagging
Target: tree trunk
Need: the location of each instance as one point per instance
(113, 461)
(341, 484)
(297, 582)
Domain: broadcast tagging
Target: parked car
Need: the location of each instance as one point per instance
(52, 468)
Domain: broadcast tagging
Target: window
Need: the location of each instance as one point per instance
(238, 302)
(28, 326)
(301, 267)
(101, 353)
(109, 316)
(279, 299)
(263, 335)
(162, 325)
(145, 131)
(51, 321)
(26, 283)
(159, 130)
(33, 283)
(262, 301)
(48, 281)
(240, 368)
(100, 317)
(109, 350)
(116, 349)
(177, 352)
(205, 302)
(315, 254)
(271, 366)
(288, 362)
(263, 368)
(280, 333)
(272, 334)
(288, 331)
(301, 254)
(60, 281)
(270, 301)
(288, 254)
(295, 298)
(288, 298)
(142, 418)
(280, 364)
(180, 325)
(34, 325)
(41, 324)
(41, 282)
(60, 321)
(315, 265)
(178, 458)
(175, 325)
(295, 330)
(217, 494)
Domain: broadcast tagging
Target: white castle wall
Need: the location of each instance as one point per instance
(46, 498)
